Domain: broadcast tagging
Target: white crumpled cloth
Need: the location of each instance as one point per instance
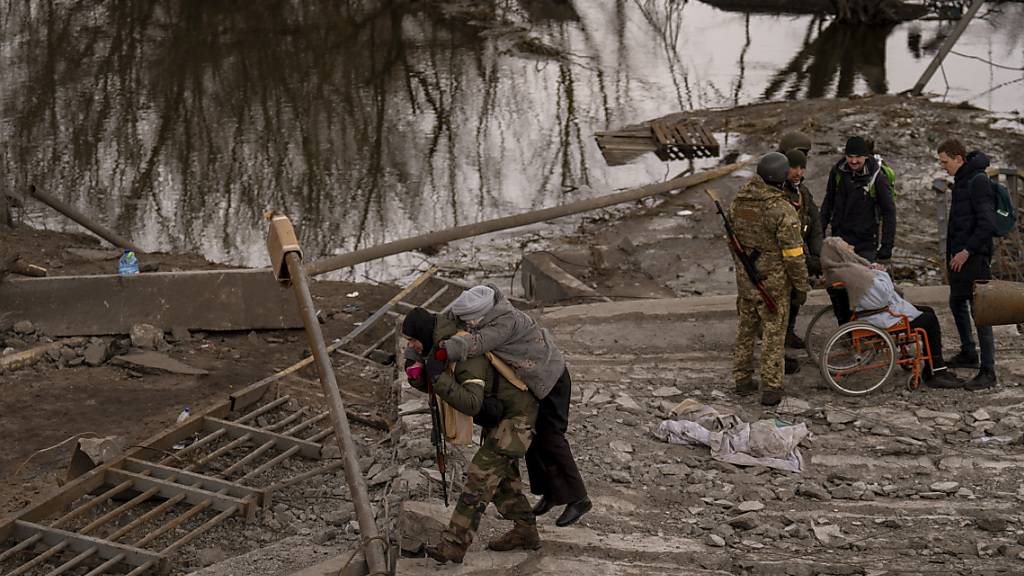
(762, 443)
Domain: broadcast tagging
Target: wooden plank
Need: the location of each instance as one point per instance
(106, 549)
(56, 502)
(307, 449)
(112, 304)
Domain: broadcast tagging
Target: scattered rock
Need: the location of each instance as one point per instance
(342, 516)
(750, 506)
(620, 446)
(97, 353)
(180, 334)
(675, 470)
(948, 487)
(210, 556)
(825, 533)
(24, 327)
(980, 414)
(990, 523)
(620, 476)
(666, 392)
(812, 490)
(714, 540)
(839, 416)
(321, 538)
(747, 521)
(419, 524)
(627, 404)
(147, 336)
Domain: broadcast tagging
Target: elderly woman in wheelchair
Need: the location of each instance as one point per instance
(877, 328)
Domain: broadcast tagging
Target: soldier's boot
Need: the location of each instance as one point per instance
(746, 386)
(520, 537)
(445, 551)
(771, 397)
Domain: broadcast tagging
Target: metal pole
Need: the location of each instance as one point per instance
(947, 45)
(373, 546)
(443, 236)
(82, 219)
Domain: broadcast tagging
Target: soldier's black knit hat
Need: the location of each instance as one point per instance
(857, 146)
(419, 324)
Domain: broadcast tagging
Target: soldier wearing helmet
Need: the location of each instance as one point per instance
(768, 228)
(797, 146)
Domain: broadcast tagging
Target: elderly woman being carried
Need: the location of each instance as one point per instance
(870, 288)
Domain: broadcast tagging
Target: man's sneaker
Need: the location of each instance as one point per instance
(790, 365)
(746, 386)
(771, 397)
(984, 379)
(963, 360)
(794, 341)
(943, 379)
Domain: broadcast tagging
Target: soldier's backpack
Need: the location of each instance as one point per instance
(1006, 214)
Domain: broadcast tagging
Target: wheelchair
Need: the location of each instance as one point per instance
(856, 357)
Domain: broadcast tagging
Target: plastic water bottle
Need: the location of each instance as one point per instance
(184, 415)
(128, 264)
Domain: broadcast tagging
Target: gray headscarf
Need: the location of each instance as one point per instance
(474, 303)
(841, 265)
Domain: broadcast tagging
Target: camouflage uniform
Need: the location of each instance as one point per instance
(766, 223)
(493, 474)
(799, 196)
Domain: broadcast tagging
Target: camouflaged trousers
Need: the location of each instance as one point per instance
(492, 477)
(755, 317)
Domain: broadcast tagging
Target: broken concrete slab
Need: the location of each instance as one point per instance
(112, 304)
(94, 254)
(156, 362)
(545, 281)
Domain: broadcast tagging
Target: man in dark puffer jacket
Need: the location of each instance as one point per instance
(972, 224)
(856, 196)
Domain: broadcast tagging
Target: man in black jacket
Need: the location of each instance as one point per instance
(856, 197)
(972, 224)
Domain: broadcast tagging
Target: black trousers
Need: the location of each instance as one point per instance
(930, 323)
(549, 462)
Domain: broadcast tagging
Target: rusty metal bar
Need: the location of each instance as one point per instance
(321, 435)
(198, 531)
(193, 480)
(514, 221)
(220, 451)
(102, 498)
(79, 543)
(305, 476)
(193, 495)
(73, 562)
(178, 520)
(142, 569)
(26, 543)
(285, 421)
(271, 463)
(308, 449)
(369, 322)
(81, 219)
(105, 566)
(43, 557)
(145, 517)
(250, 457)
(373, 546)
(118, 511)
(306, 424)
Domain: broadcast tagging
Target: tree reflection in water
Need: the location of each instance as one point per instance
(834, 58)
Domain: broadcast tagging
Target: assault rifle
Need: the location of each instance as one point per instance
(741, 254)
(437, 433)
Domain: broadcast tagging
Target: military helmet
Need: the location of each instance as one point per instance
(773, 168)
(795, 141)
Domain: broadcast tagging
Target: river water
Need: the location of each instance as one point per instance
(180, 124)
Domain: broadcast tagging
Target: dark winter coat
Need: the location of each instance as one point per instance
(852, 209)
(972, 223)
(972, 213)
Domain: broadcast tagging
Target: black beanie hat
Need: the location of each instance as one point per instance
(419, 324)
(856, 146)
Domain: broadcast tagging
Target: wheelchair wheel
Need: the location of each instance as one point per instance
(822, 325)
(857, 359)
